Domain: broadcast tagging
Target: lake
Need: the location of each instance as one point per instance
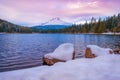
(19, 51)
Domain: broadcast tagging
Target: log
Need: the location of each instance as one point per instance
(50, 62)
(62, 53)
(89, 54)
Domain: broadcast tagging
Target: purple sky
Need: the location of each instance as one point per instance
(33, 12)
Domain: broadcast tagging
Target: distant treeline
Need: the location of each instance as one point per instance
(109, 24)
(8, 27)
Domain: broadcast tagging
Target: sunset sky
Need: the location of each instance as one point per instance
(34, 12)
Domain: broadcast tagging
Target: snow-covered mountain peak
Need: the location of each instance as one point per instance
(56, 21)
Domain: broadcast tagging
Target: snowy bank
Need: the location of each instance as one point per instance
(111, 33)
(105, 67)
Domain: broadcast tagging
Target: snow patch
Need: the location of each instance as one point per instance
(111, 33)
(63, 52)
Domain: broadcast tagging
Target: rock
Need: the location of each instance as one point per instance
(94, 51)
(63, 53)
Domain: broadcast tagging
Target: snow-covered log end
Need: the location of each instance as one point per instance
(62, 53)
(94, 50)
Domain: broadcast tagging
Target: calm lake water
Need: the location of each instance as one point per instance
(19, 51)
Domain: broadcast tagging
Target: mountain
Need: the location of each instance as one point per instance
(55, 23)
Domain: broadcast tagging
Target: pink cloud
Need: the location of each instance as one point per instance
(39, 11)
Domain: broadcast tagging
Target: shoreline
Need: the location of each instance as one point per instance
(67, 33)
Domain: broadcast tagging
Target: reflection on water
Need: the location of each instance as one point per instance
(26, 50)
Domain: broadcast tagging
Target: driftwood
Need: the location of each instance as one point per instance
(49, 62)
